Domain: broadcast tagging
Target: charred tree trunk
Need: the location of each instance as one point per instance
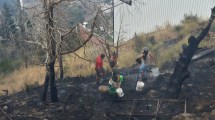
(46, 84)
(51, 49)
(53, 88)
(181, 69)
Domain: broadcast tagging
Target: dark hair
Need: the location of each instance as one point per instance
(145, 53)
(102, 56)
(115, 54)
(138, 60)
(145, 49)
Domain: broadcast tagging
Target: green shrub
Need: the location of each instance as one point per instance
(7, 66)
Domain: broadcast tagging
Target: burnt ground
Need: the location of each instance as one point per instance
(80, 100)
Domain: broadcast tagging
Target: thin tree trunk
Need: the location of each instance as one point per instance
(181, 69)
(53, 88)
(61, 67)
(51, 45)
(46, 85)
(52, 56)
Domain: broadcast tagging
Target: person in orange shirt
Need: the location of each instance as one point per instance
(99, 67)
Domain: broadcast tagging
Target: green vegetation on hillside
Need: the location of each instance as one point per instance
(167, 40)
(9, 65)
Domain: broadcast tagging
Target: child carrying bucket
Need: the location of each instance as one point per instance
(142, 71)
(114, 85)
(116, 80)
(148, 59)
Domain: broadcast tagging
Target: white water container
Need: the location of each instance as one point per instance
(139, 86)
(110, 82)
(119, 91)
(155, 71)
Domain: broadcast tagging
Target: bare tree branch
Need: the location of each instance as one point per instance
(32, 42)
(89, 37)
(59, 1)
(82, 57)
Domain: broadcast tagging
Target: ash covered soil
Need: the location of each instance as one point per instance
(79, 98)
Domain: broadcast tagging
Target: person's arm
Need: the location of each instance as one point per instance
(140, 56)
(100, 64)
(118, 81)
(152, 58)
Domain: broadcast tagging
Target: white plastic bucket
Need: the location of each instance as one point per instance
(139, 86)
(110, 82)
(119, 91)
(155, 71)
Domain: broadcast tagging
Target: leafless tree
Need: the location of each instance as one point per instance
(49, 31)
(181, 69)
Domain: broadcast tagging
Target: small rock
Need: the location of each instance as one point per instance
(189, 85)
(62, 92)
(184, 116)
(198, 118)
(134, 118)
(5, 107)
(36, 99)
(40, 104)
(163, 88)
(152, 93)
(199, 108)
(205, 114)
(212, 112)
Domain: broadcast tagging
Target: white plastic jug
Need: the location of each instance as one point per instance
(155, 71)
(119, 91)
(139, 86)
(110, 82)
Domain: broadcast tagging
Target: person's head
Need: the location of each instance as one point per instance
(145, 49)
(102, 56)
(115, 54)
(138, 60)
(145, 52)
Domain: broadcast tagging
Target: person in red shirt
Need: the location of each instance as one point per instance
(99, 67)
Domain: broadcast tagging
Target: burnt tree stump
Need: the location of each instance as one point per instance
(181, 69)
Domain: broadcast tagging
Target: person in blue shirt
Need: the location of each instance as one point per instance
(142, 71)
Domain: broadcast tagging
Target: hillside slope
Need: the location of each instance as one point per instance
(80, 100)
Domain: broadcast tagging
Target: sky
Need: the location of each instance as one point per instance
(145, 15)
